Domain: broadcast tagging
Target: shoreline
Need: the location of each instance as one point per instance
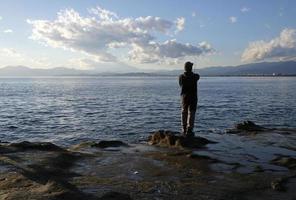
(165, 169)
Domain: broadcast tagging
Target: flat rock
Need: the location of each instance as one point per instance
(115, 196)
(41, 146)
(174, 139)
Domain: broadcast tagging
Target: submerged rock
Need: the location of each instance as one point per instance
(174, 139)
(111, 143)
(285, 161)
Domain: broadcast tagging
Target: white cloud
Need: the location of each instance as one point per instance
(9, 52)
(180, 23)
(245, 9)
(12, 56)
(282, 47)
(92, 63)
(168, 51)
(1, 18)
(8, 31)
(103, 32)
(193, 14)
(233, 19)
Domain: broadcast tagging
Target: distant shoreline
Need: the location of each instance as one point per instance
(140, 75)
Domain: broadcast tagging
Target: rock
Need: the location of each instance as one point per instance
(106, 144)
(174, 139)
(249, 126)
(246, 126)
(202, 157)
(115, 196)
(258, 168)
(278, 185)
(285, 161)
(42, 146)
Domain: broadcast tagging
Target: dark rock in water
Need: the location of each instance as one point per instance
(285, 161)
(202, 157)
(115, 196)
(246, 126)
(42, 146)
(258, 168)
(249, 126)
(12, 127)
(174, 139)
(112, 143)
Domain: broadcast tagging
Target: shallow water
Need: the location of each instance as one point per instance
(68, 110)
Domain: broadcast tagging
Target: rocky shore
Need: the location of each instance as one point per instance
(168, 166)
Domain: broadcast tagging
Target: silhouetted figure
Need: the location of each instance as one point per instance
(188, 84)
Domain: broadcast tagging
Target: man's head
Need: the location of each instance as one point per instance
(188, 66)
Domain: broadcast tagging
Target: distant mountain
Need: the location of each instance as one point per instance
(253, 69)
(257, 69)
(26, 71)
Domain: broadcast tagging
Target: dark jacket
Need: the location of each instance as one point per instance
(188, 84)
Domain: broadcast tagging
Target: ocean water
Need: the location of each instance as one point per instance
(69, 110)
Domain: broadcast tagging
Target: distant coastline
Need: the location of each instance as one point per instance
(265, 69)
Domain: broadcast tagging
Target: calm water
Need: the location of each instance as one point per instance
(68, 110)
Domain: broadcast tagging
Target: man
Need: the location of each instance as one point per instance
(188, 84)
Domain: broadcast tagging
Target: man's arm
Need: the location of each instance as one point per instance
(180, 81)
(197, 77)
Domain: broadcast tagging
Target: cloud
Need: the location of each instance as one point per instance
(104, 33)
(282, 47)
(193, 14)
(1, 18)
(245, 9)
(14, 57)
(168, 51)
(89, 63)
(9, 52)
(8, 31)
(180, 23)
(233, 19)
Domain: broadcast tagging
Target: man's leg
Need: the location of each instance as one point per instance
(191, 120)
(184, 116)
(191, 117)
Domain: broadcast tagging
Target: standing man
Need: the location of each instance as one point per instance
(188, 83)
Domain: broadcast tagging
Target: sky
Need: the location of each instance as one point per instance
(129, 35)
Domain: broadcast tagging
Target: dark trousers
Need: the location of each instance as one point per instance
(189, 105)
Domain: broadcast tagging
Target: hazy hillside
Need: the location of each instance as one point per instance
(265, 68)
(26, 71)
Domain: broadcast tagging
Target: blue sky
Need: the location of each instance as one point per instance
(109, 34)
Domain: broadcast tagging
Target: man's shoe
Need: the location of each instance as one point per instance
(190, 133)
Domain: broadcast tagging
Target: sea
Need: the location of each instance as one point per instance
(69, 110)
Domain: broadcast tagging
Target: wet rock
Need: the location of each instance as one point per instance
(106, 144)
(174, 139)
(202, 157)
(249, 126)
(285, 161)
(115, 196)
(258, 168)
(278, 185)
(42, 146)
(246, 126)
